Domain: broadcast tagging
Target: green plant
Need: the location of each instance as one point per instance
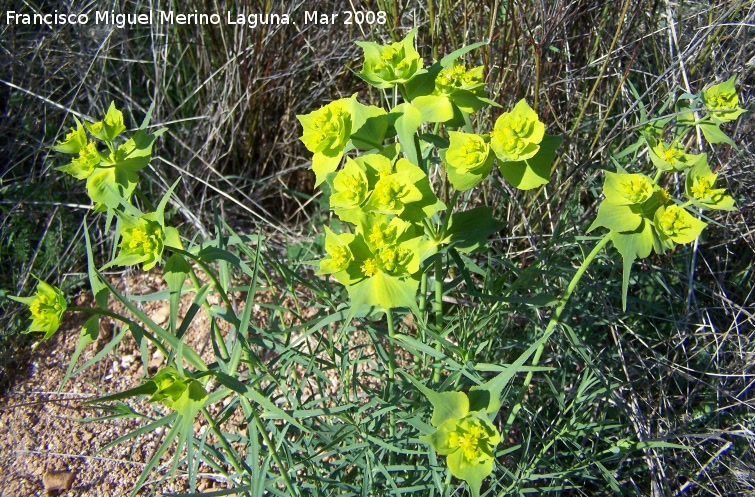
(395, 235)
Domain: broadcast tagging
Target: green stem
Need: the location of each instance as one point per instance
(206, 306)
(118, 317)
(438, 310)
(421, 363)
(552, 326)
(204, 267)
(431, 19)
(449, 210)
(233, 455)
(391, 366)
(274, 453)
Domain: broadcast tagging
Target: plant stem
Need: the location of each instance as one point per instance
(421, 363)
(552, 326)
(391, 366)
(125, 320)
(431, 19)
(274, 453)
(438, 310)
(216, 330)
(233, 455)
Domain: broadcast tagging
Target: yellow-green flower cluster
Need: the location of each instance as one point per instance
(143, 240)
(640, 214)
(517, 134)
(671, 156)
(458, 77)
(110, 171)
(383, 199)
(469, 159)
(722, 101)
(467, 438)
(516, 141)
(47, 307)
(700, 189)
(326, 131)
(328, 128)
(388, 65)
(181, 393)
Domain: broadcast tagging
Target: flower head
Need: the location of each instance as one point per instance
(181, 393)
(722, 101)
(700, 188)
(350, 187)
(144, 239)
(671, 157)
(84, 165)
(47, 307)
(392, 64)
(677, 225)
(467, 438)
(339, 253)
(457, 77)
(468, 158)
(328, 128)
(517, 134)
(326, 131)
(627, 189)
(405, 193)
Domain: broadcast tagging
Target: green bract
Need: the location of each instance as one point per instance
(392, 64)
(722, 101)
(184, 395)
(517, 134)
(468, 439)
(339, 253)
(350, 190)
(84, 165)
(47, 308)
(627, 189)
(671, 157)
(110, 127)
(74, 142)
(676, 224)
(386, 257)
(143, 240)
(406, 193)
(469, 159)
(325, 133)
(700, 189)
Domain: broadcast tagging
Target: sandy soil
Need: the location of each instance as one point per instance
(50, 441)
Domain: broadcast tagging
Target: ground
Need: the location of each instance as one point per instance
(48, 434)
(45, 429)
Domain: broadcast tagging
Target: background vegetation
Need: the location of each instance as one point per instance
(676, 367)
